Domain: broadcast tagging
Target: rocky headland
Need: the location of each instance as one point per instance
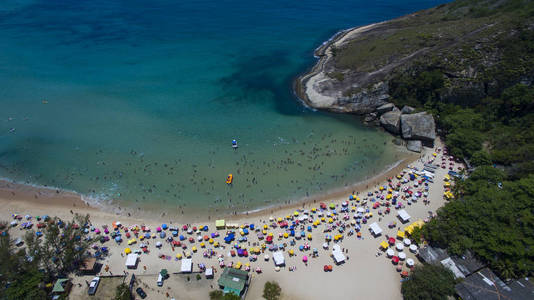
(367, 70)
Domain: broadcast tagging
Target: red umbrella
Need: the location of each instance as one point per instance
(395, 259)
(325, 268)
(391, 240)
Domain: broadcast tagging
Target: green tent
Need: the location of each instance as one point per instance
(59, 286)
(220, 224)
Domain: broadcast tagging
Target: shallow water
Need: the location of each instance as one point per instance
(135, 103)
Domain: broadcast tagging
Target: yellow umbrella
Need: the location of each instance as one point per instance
(202, 245)
(400, 234)
(270, 234)
(296, 213)
(280, 219)
(210, 241)
(127, 250)
(309, 236)
(194, 249)
(179, 255)
(330, 220)
(264, 231)
(265, 226)
(314, 209)
(216, 244)
(291, 252)
(384, 245)
(286, 235)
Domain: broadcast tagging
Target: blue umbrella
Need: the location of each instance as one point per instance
(301, 247)
(175, 233)
(292, 233)
(245, 231)
(213, 235)
(251, 226)
(118, 238)
(162, 235)
(302, 233)
(164, 226)
(206, 228)
(182, 237)
(309, 228)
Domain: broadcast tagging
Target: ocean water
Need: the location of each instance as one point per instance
(135, 103)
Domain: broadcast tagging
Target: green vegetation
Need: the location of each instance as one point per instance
(272, 291)
(219, 295)
(487, 118)
(122, 292)
(24, 272)
(428, 282)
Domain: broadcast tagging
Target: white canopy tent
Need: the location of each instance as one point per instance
(131, 260)
(338, 255)
(209, 273)
(187, 265)
(279, 259)
(403, 215)
(375, 229)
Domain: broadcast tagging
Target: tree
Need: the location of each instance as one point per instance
(19, 275)
(271, 290)
(481, 158)
(428, 282)
(123, 292)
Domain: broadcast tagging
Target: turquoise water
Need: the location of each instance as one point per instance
(135, 103)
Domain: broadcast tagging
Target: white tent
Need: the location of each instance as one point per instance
(400, 246)
(402, 255)
(390, 252)
(131, 260)
(403, 215)
(338, 255)
(187, 265)
(375, 229)
(413, 248)
(407, 242)
(279, 259)
(209, 273)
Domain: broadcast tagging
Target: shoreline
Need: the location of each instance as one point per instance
(28, 196)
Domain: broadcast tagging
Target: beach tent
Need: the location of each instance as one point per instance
(409, 262)
(403, 216)
(131, 261)
(400, 246)
(402, 255)
(209, 273)
(390, 252)
(337, 254)
(220, 224)
(187, 266)
(384, 245)
(413, 248)
(375, 229)
(278, 258)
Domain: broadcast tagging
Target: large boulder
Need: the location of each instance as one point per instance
(407, 109)
(415, 146)
(419, 126)
(391, 121)
(385, 108)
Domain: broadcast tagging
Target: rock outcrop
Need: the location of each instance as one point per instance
(419, 126)
(385, 108)
(407, 110)
(415, 146)
(391, 121)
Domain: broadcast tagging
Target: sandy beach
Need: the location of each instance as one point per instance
(365, 274)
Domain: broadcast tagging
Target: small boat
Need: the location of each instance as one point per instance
(234, 144)
(229, 179)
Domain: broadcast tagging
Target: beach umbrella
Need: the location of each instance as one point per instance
(127, 250)
(409, 262)
(399, 246)
(164, 226)
(395, 259)
(413, 248)
(391, 241)
(181, 237)
(305, 258)
(325, 245)
(13, 223)
(158, 229)
(118, 238)
(390, 252)
(162, 235)
(402, 255)
(174, 233)
(301, 247)
(147, 235)
(158, 244)
(266, 257)
(407, 242)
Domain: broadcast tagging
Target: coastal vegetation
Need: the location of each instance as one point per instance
(29, 272)
(428, 282)
(470, 63)
(488, 120)
(219, 295)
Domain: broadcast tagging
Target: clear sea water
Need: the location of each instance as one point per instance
(135, 103)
